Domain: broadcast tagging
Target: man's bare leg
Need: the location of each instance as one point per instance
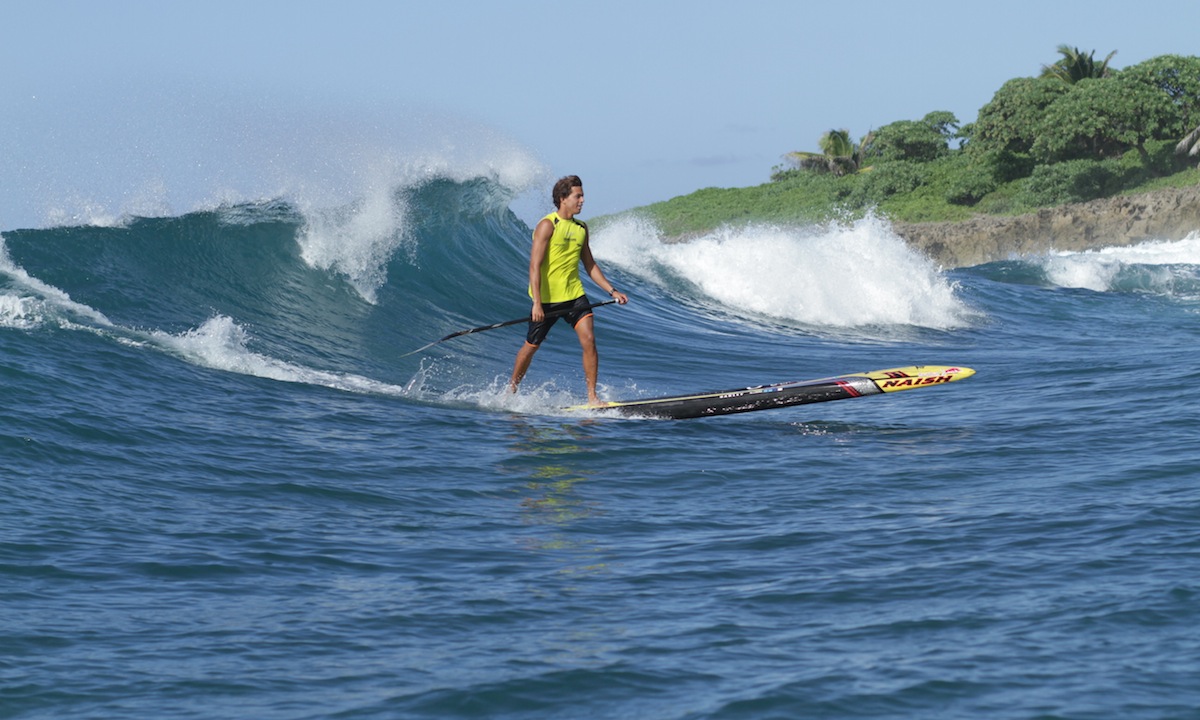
(521, 365)
(591, 358)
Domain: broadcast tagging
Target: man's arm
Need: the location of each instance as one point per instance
(537, 256)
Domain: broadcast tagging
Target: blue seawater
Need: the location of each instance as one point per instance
(226, 494)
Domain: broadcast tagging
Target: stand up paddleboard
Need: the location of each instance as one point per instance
(767, 397)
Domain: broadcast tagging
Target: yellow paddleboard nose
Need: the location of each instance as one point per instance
(916, 376)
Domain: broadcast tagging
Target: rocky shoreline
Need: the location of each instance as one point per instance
(1170, 214)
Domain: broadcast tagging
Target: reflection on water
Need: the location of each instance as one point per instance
(551, 462)
(552, 499)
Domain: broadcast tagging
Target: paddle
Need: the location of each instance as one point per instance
(556, 313)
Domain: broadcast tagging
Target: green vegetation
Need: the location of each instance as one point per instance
(839, 154)
(1074, 66)
(1079, 131)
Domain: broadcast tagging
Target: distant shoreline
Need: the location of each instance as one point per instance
(1168, 214)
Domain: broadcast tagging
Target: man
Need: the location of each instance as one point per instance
(560, 243)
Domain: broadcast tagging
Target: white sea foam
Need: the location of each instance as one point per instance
(544, 398)
(221, 344)
(34, 301)
(356, 241)
(1162, 262)
(840, 275)
(357, 238)
(19, 312)
(354, 227)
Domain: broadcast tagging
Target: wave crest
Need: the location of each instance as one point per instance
(843, 275)
(1160, 267)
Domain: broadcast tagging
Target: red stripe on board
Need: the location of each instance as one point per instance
(849, 388)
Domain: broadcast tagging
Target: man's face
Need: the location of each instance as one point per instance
(574, 201)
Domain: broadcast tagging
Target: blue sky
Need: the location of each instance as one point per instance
(646, 100)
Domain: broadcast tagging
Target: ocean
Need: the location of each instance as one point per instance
(228, 494)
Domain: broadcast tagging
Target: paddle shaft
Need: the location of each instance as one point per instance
(481, 328)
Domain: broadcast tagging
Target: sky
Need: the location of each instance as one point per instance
(646, 100)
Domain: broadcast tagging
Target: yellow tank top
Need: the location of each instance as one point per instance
(560, 268)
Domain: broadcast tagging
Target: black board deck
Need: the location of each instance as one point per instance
(787, 394)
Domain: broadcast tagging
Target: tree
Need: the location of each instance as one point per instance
(920, 141)
(1074, 66)
(943, 122)
(1179, 77)
(1002, 137)
(1103, 118)
(1008, 123)
(839, 155)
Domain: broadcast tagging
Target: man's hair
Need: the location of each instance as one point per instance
(562, 188)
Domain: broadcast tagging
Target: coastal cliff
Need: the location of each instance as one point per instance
(1169, 214)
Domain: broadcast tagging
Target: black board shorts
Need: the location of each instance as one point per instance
(572, 311)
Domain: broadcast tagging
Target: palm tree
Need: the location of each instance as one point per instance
(839, 155)
(1190, 145)
(1074, 66)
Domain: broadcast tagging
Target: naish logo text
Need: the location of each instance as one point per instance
(914, 382)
